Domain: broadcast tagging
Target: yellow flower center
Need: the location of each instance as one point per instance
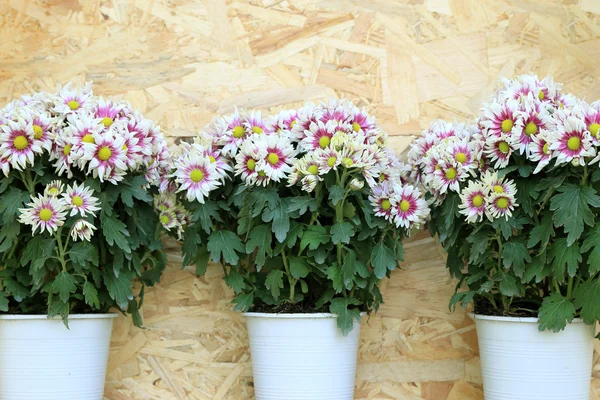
(545, 149)
(37, 131)
(262, 173)
(460, 157)
(257, 129)
(382, 177)
(164, 219)
(541, 95)
(451, 173)
(356, 126)
(88, 138)
(53, 191)
(107, 121)
(73, 105)
(574, 143)
(251, 164)
(77, 201)
(324, 141)
(348, 162)
(386, 205)
(404, 205)
(67, 149)
(477, 200)
(594, 129)
(196, 175)
(530, 129)
(331, 161)
(502, 203)
(238, 132)
(293, 123)
(104, 153)
(45, 214)
(507, 125)
(437, 167)
(21, 142)
(503, 147)
(498, 189)
(313, 169)
(212, 159)
(273, 158)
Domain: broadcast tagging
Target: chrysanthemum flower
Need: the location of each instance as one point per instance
(80, 200)
(361, 121)
(309, 183)
(234, 133)
(71, 101)
(54, 188)
(277, 155)
(535, 117)
(18, 144)
(306, 115)
(318, 135)
(383, 201)
(42, 125)
(168, 219)
(493, 184)
(448, 176)
(338, 111)
(45, 213)
(82, 230)
(500, 205)
(82, 129)
(411, 208)
(499, 148)
(473, 202)
(540, 151)
(356, 184)
(108, 111)
(246, 162)
(196, 175)
(165, 201)
(5, 166)
(327, 159)
(106, 158)
(571, 140)
(500, 119)
(62, 150)
(222, 165)
(285, 120)
(254, 124)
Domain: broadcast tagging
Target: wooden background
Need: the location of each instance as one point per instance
(406, 61)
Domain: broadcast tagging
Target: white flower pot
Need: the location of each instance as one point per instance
(518, 362)
(302, 356)
(40, 359)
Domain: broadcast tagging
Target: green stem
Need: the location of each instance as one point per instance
(569, 288)
(61, 249)
(556, 287)
(505, 302)
(291, 279)
(585, 175)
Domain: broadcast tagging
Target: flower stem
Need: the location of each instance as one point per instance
(291, 279)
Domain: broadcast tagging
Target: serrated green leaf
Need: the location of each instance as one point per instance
(464, 298)
(280, 220)
(3, 302)
(115, 232)
(509, 286)
(15, 289)
(274, 282)
(587, 297)
(91, 295)
(479, 246)
(349, 267)
(538, 268)
(134, 188)
(336, 194)
(302, 204)
(541, 233)
(64, 285)
(592, 242)
(334, 274)
(235, 281)
(325, 298)
(260, 238)
(201, 261)
(556, 311)
(345, 315)
(571, 208)
(299, 268)
(563, 255)
(313, 237)
(10, 203)
(515, 255)
(243, 302)
(260, 197)
(82, 253)
(382, 260)
(225, 244)
(119, 289)
(341, 232)
(205, 214)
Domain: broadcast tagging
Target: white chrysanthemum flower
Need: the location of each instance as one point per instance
(45, 213)
(473, 201)
(17, 143)
(196, 175)
(540, 151)
(500, 205)
(105, 158)
(276, 155)
(501, 118)
(309, 183)
(74, 101)
(54, 188)
(447, 176)
(411, 209)
(493, 184)
(356, 184)
(80, 200)
(246, 164)
(82, 230)
(571, 140)
(499, 148)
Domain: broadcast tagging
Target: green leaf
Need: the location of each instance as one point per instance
(302, 204)
(243, 302)
(205, 213)
(341, 232)
(115, 232)
(33, 250)
(592, 242)
(280, 218)
(572, 209)
(134, 188)
(313, 237)
(325, 298)
(515, 255)
(345, 315)
(382, 259)
(274, 282)
(508, 285)
(336, 194)
(587, 297)
(259, 197)
(564, 255)
(119, 289)
(15, 289)
(91, 295)
(334, 274)
(556, 311)
(479, 245)
(224, 244)
(235, 281)
(189, 247)
(450, 209)
(83, 252)
(538, 269)
(3, 302)
(349, 268)
(299, 268)
(201, 261)
(64, 285)
(11, 202)
(541, 233)
(260, 238)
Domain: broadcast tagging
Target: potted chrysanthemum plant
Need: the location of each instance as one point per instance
(515, 204)
(78, 227)
(306, 211)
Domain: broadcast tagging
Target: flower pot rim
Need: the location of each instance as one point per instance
(529, 320)
(44, 316)
(293, 315)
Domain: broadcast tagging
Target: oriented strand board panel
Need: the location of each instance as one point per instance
(406, 61)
